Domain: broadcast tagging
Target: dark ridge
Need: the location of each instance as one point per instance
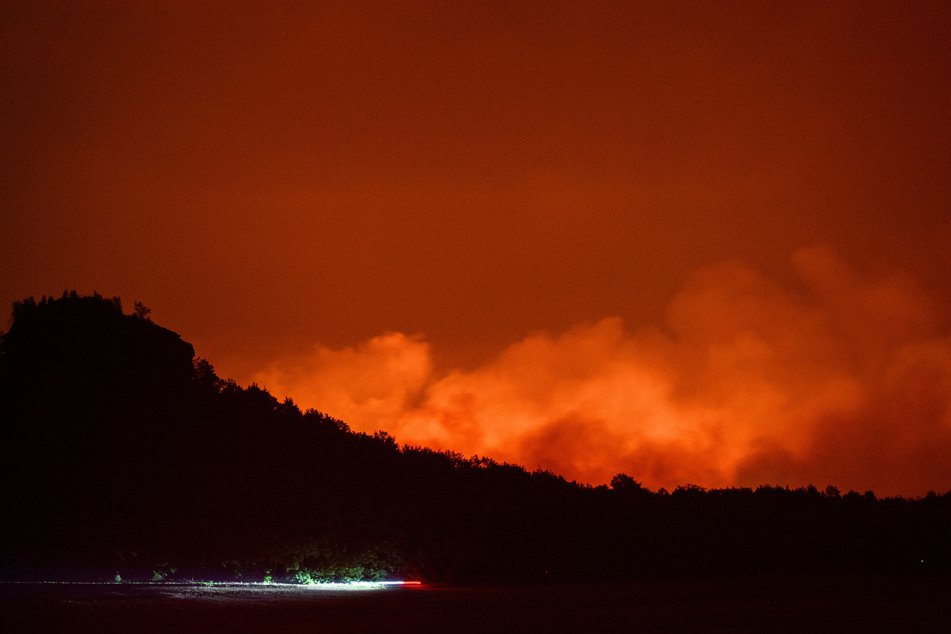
(123, 454)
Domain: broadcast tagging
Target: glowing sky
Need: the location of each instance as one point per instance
(692, 241)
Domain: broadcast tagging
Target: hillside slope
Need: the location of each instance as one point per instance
(123, 453)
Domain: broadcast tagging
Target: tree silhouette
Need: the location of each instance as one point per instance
(121, 451)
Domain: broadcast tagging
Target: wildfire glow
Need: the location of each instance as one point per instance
(844, 381)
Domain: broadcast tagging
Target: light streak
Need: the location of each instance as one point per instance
(346, 585)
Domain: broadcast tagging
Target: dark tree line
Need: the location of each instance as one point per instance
(123, 453)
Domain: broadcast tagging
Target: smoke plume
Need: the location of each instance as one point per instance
(844, 379)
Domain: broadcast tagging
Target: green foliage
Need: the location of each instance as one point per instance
(325, 560)
(304, 577)
(162, 571)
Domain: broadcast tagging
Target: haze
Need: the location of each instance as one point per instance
(693, 242)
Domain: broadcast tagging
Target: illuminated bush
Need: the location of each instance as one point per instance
(322, 561)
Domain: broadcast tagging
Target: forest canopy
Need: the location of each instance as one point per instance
(125, 454)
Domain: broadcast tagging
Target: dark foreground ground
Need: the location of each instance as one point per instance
(800, 604)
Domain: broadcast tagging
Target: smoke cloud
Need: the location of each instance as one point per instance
(843, 379)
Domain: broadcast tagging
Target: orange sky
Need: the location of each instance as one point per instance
(690, 241)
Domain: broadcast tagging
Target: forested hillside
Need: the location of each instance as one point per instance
(123, 453)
